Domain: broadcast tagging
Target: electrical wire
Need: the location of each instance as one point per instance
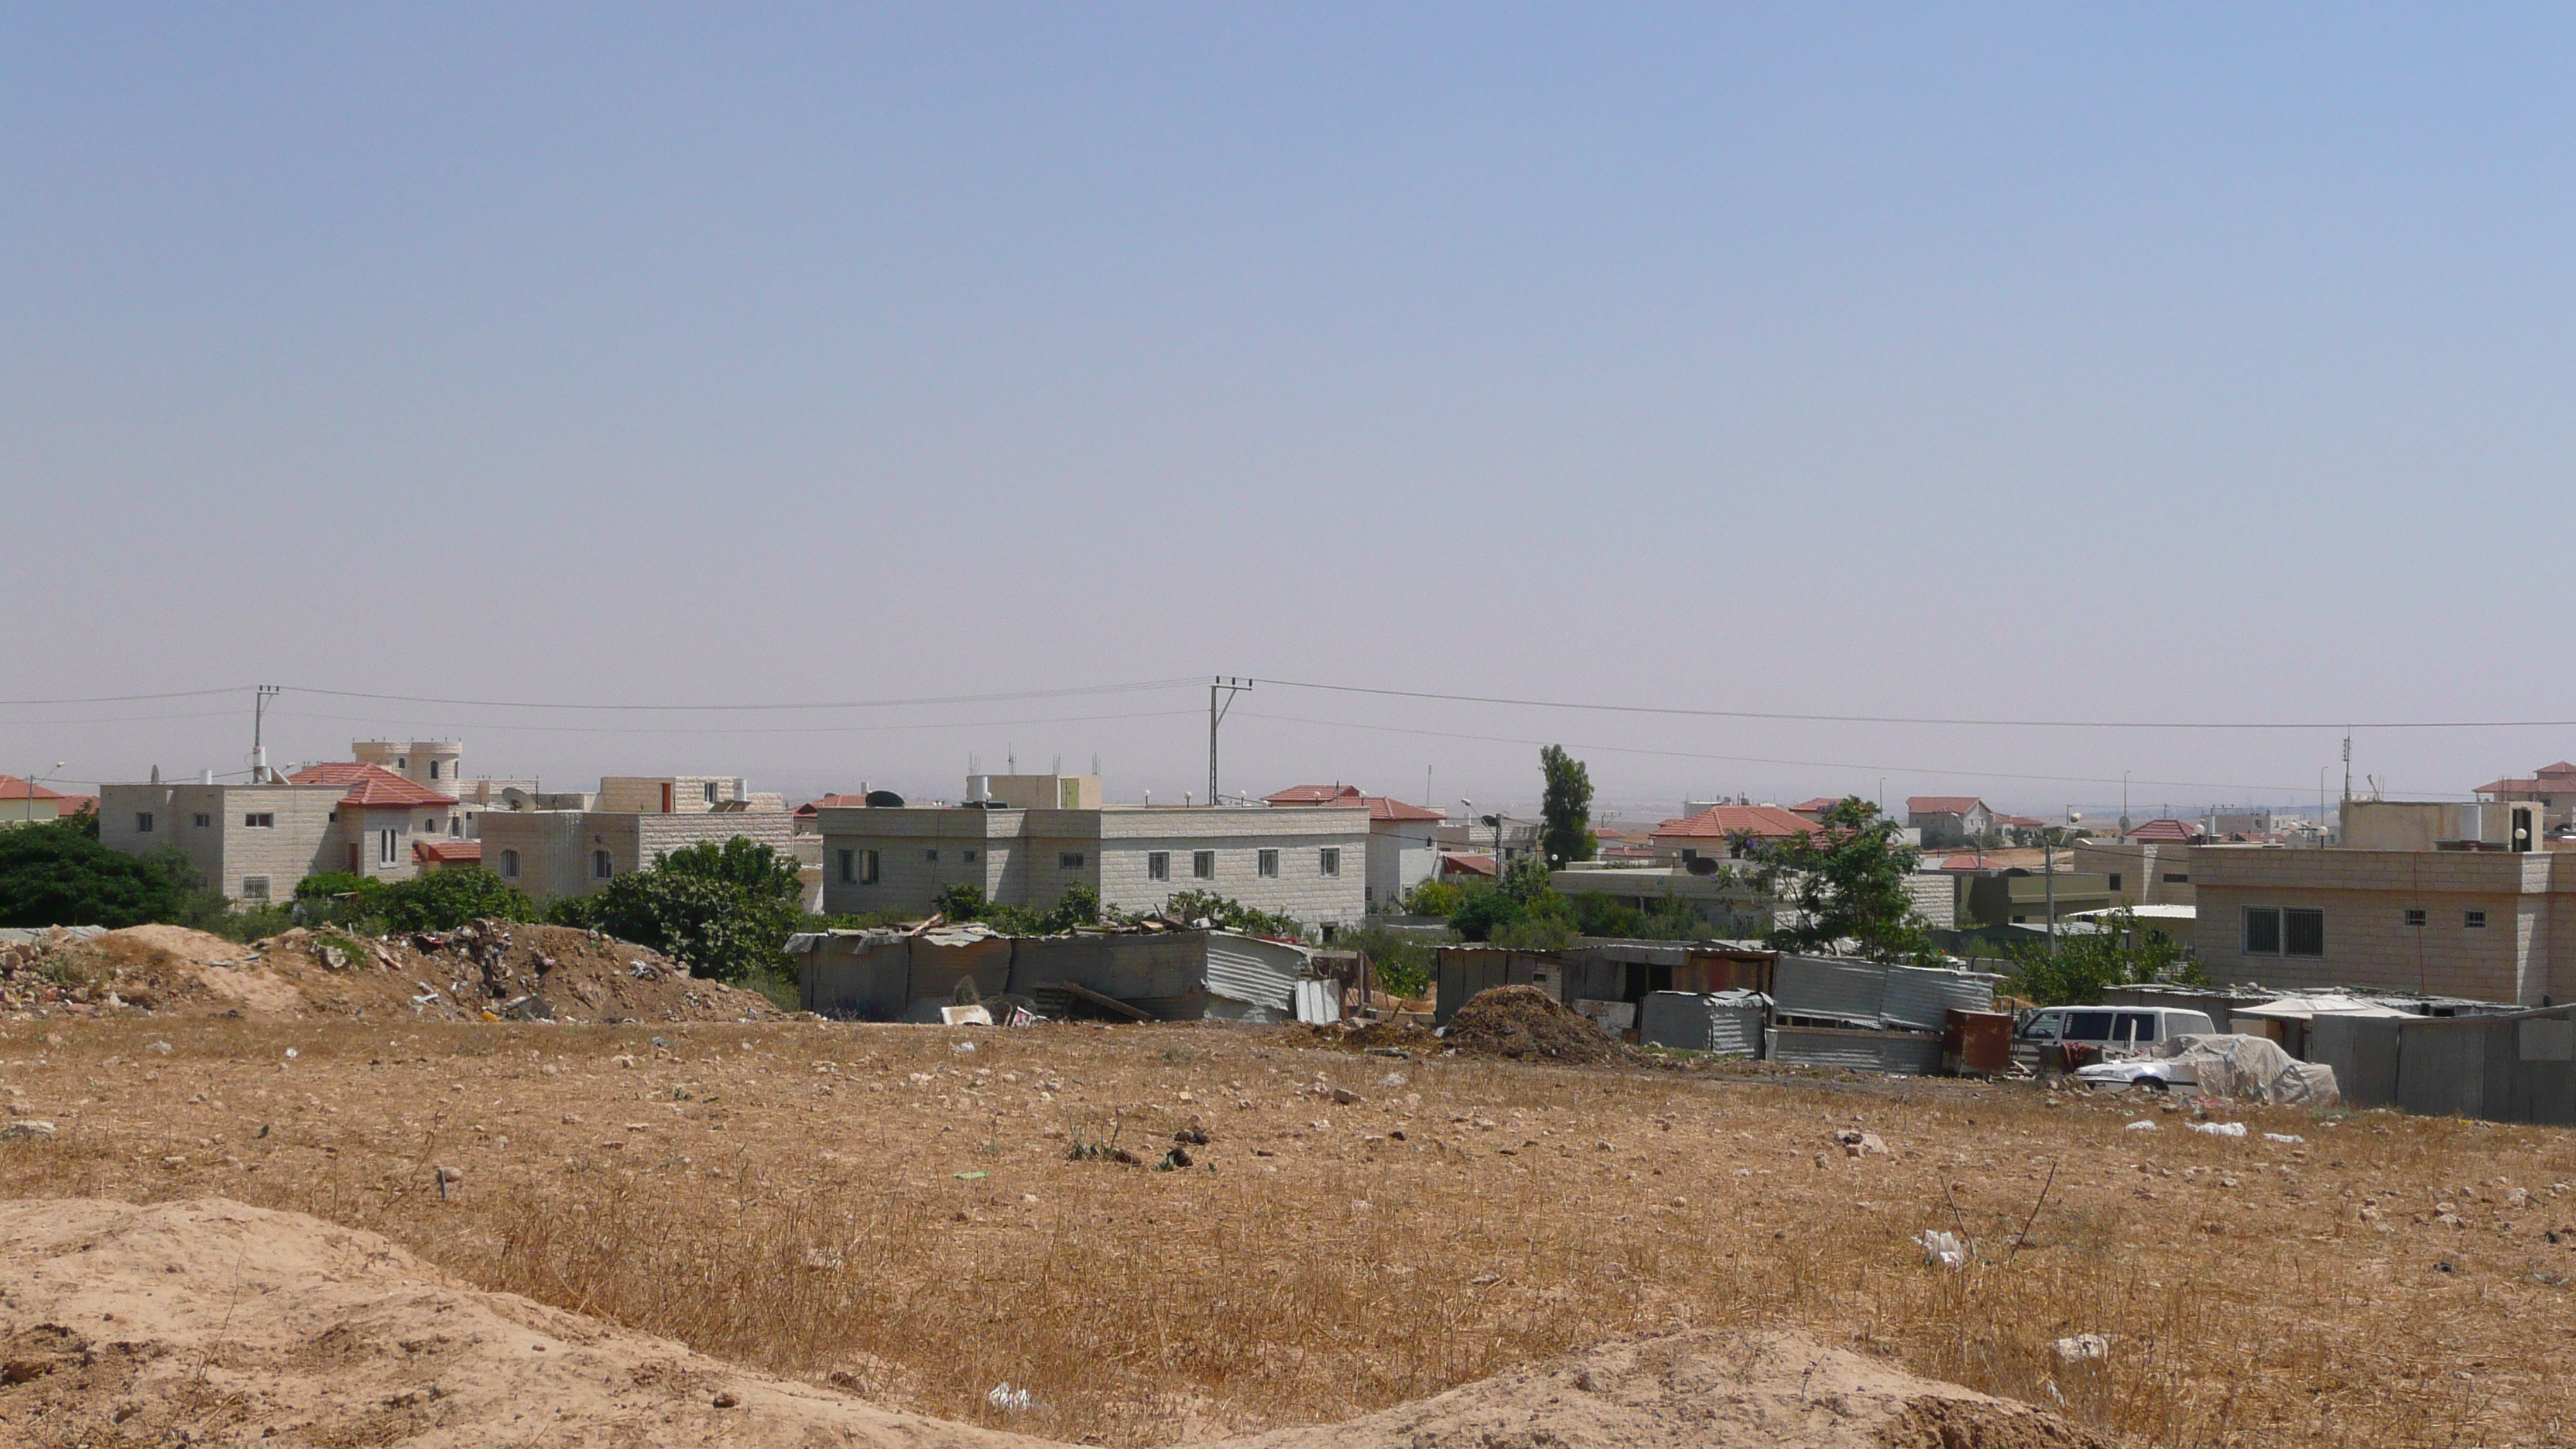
(379, 720)
(1078, 691)
(1766, 760)
(1885, 719)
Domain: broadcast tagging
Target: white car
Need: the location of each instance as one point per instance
(2154, 1074)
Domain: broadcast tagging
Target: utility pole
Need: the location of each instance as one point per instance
(1229, 687)
(258, 724)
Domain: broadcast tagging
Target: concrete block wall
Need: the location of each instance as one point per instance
(2515, 957)
(1019, 856)
(553, 850)
(642, 794)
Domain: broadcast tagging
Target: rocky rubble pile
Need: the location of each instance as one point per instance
(486, 970)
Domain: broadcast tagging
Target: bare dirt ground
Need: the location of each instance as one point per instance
(885, 1212)
(208, 1320)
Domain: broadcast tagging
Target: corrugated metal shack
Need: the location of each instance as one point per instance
(1728, 1023)
(896, 975)
(1828, 1011)
(2514, 1067)
(1601, 971)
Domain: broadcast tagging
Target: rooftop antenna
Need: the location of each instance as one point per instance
(2347, 762)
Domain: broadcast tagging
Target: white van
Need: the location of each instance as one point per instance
(2116, 1030)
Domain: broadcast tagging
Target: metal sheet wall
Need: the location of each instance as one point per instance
(1912, 1053)
(1730, 1024)
(1830, 986)
(1922, 997)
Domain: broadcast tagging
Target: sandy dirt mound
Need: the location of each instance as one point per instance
(209, 1321)
(1700, 1391)
(1525, 1023)
(502, 969)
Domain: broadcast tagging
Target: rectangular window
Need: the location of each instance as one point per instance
(711, 792)
(1158, 865)
(2138, 1027)
(2414, 916)
(1328, 861)
(602, 865)
(509, 865)
(1267, 864)
(849, 867)
(1202, 865)
(2089, 1026)
(967, 856)
(456, 827)
(385, 843)
(931, 855)
(2303, 933)
(2262, 930)
(205, 821)
(254, 888)
(2115, 880)
(867, 867)
(2473, 920)
(264, 820)
(143, 822)
(2177, 877)
(1068, 860)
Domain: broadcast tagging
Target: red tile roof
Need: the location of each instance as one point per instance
(1456, 864)
(2024, 821)
(2165, 829)
(370, 787)
(1969, 861)
(1817, 806)
(13, 788)
(2545, 785)
(1387, 807)
(1725, 822)
(1314, 795)
(834, 801)
(448, 852)
(1941, 804)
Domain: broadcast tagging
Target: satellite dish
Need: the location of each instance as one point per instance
(884, 800)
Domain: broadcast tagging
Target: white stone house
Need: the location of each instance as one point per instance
(1404, 840)
(1308, 862)
(254, 842)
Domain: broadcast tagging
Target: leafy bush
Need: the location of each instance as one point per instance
(1434, 898)
(2089, 963)
(55, 873)
(442, 900)
(1402, 960)
(726, 908)
(1230, 915)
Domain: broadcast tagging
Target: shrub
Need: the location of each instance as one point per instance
(442, 900)
(55, 873)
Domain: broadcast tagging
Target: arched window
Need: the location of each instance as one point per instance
(601, 867)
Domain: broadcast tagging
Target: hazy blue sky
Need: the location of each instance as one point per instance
(2173, 364)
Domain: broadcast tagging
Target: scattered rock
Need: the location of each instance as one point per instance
(30, 1131)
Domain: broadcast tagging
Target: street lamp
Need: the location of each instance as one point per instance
(33, 780)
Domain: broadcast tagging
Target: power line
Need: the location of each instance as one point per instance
(2052, 724)
(129, 698)
(1765, 760)
(379, 720)
(1078, 691)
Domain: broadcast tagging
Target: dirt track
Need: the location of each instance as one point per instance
(880, 1204)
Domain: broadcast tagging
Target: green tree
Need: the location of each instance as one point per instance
(1433, 898)
(1566, 810)
(726, 908)
(1524, 880)
(55, 873)
(1845, 882)
(442, 900)
(2089, 963)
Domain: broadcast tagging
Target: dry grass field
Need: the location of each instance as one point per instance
(884, 1209)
